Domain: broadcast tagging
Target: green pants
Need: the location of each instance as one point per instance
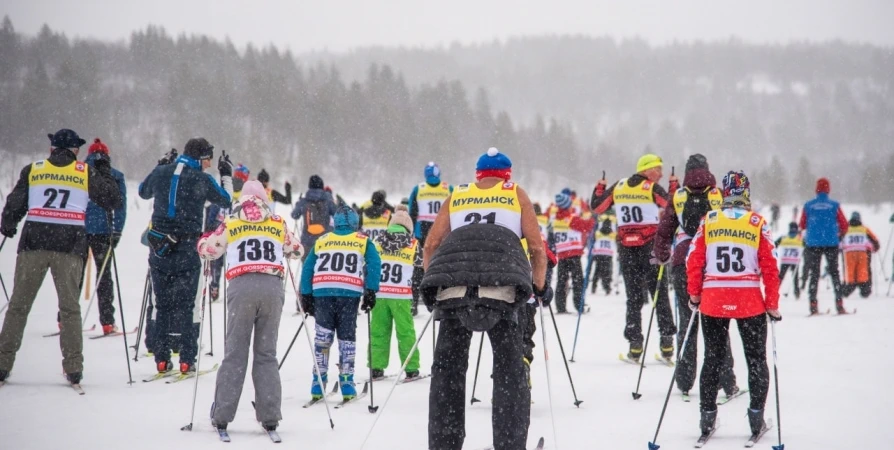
(386, 313)
(31, 268)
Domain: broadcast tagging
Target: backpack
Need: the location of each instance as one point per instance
(316, 217)
(694, 209)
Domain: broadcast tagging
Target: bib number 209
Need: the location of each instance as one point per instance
(337, 262)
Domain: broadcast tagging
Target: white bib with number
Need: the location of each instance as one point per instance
(856, 240)
(254, 246)
(603, 245)
(567, 239)
(58, 194)
(731, 244)
(635, 205)
(497, 205)
(397, 273)
(339, 262)
(429, 200)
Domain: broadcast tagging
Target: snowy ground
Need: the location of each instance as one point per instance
(835, 374)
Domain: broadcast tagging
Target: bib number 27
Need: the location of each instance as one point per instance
(53, 194)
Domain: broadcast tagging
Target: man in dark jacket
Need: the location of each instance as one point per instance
(180, 190)
(478, 274)
(824, 223)
(273, 195)
(699, 184)
(317, 208)
(100, 235)
(54, 194)
(375, 215)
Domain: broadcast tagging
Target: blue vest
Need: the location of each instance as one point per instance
(822, 222)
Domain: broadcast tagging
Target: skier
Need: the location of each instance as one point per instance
(790, 247)
(425, 201)
(679, 223)
(99, 235)
(317, 208)
(731, 254)
(180, 189)
(399, 253)
(240, 177)
(477, 275)
(255, 241)
(639, 200)
(53, 194)
(569, 231)
(858, 245)
(774, 215)
(332, 284)
(274, 196)
(375, 214)
(602, 260)
(824, 224)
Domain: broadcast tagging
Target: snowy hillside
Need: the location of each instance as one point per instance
(835, 375)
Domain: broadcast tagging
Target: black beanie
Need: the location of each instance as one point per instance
(263, 176)
(198, 149)
(315, 182)
(696, 161)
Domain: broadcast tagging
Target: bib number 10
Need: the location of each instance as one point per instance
(253, 250)
(338, 262)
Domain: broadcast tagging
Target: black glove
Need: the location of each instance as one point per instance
(224, 165)
(541, 294)
(369, 300)
(288, 189)
(774, 315)
(9, 232)
(116, 236)
(168, 158)
(307, 304)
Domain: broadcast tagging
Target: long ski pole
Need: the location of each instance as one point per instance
(369, 349)
(477, 366)
(226, 312)
(6, 294)
(781, 446)
(292, 343)
(195, 387)
(310, 342)
(397, 380)
(146, 287)
(583, 296)
(211, 314)
(882, 260)
(653, 444)
(121, 313)
(562, 349)
(642, 357)
(102, 271)
(549, 384)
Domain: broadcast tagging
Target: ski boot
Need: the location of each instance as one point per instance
(270, 426)
(186, 368)
(378, 374)
(109, 329)
(164, 366)
(667, 347)
(813, 308)
(839, 306)
(219, 426)
(636, 350)
(528, 372)
(732, 392)
(346, 383)
(706, 424)
(317, 389)
(756, 421)
(74, 377)
(411, 375)
(4, 374)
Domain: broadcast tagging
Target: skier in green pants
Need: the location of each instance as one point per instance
(398, 250)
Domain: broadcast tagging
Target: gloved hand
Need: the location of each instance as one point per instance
(774, 314)
(655, 260)
(116, 236)
(600, 187)
(288, 189)
(168, 158)
(369, 300)
(224, 165)
(694, 302)
(673, 184)
(307, 304)
(545, 296)
(8, 231)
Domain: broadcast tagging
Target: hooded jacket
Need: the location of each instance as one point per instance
(213, 245)
(96, 216)
(696, 180)
(52, 237)
(313, 195)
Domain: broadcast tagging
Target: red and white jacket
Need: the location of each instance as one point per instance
(730, 255)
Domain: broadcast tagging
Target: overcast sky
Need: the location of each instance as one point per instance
(341, 25)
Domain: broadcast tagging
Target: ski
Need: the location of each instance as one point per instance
(223, 435)
(85, 330)
(727, 399)
(754, 438)
(702, 440)
(820, 313)
(846, 312)
(159, 376)
(540, 445)
(410, 380)
(116, 333)
(272, 434)
(77, 388)
(181, 376)
(668, 361)
(627, 360)
(314, 401)
(359, 396)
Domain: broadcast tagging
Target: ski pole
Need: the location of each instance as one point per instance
(562, 349)
(652, 444)
(549, 384)
(882, 260)
(99, 275)
(226, 312)
(121, 312)
(642, 358)
(369, 349)
(136, 345)
(1, 279)
(781, 446)
(195, 387)
(397, 379)
(583, 295)
(310, 342)
(210, 312)
(477, 365)
(291, 343)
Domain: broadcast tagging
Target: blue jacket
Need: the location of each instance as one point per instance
(371, 259)
(180, 191)
(824, 222)
(313, 195)
(96, 217)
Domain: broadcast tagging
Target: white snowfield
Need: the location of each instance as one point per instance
(835, 375)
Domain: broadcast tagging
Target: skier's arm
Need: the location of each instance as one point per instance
(603, 198)
(531, 233)
(413, 206)
(103, 188)
(695, 264)
(213, 244)
(664, 237)
(219, 194)
(146, 189)
(17, 201)
(842, 224)
(766, 259)
(802, 222)
(659, 196)
(437, 233)
(277, 197)
(373, 266)
(298, 210)
(121, 213)
(307, 273)
(291, 246)
(874, 240)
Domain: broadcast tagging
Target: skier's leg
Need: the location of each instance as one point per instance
(99, 244)
(687, 365)
(380, 334)
(575, 268)
(265, 368)
(831, 254)
(716, 333)
(31, 268)
(243, 301)
(406, 333)
(812, 259)
(187, 291)
(753, 331)
(634, 285)
(563, 272)
(511, 414)
(447, 395)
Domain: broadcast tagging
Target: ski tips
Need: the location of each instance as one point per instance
(186, 427)
(653, 446)
(779, 447)
(636, 396)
